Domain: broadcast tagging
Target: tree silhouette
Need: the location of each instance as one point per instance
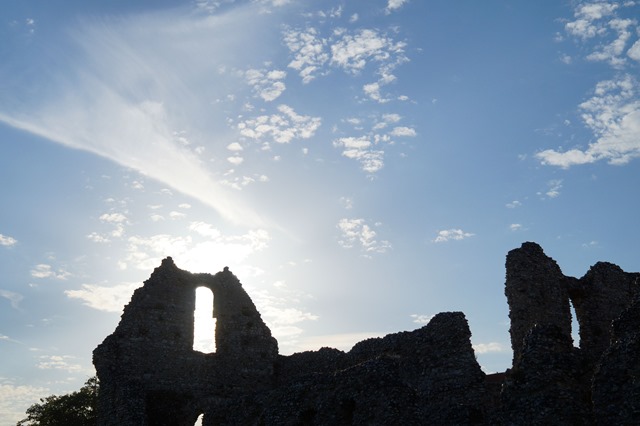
(73, 409)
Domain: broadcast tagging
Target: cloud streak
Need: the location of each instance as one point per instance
(127, 86)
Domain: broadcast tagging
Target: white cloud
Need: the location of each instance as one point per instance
(515, 227)
(309, 52)
(372, 90)
(421, 319)
(176, 215)
(7, 241)
(566, 59)
(403, 131)
(352, 143)
(612, 52)
(452, 234)
(391, 118)
(156, 217)
(353, 51)
(236, 160)
(43, 270)
(371, 161)
(104, 298)
(483, 348)
(613, 115)
(12, 297)
(98, 238)
(554, 188)
(356, 232)
(281, 317)
(113, 217)
(634, 51)
(347, 202)
(281, 128)
(59, 362)
(394, 4)
(514, 204)
(585, 25)
(235, 147)
(239, 182)
(118, 231)
(365, 148)
(350, 51)
(210, 255)
(205, 229)
(266, 84)
(15, 399)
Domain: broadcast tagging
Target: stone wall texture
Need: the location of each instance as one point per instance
(150, 375)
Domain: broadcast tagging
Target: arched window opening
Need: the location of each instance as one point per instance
(204, 325)
(198, 421)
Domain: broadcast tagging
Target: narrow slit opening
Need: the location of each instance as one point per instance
(204, 325)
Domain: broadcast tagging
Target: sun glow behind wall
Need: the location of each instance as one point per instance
(204, 325)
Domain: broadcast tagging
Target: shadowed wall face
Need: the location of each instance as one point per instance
(150, 356)
(536, 293)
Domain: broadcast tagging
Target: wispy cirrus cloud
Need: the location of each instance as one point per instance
(122, 88)
(13, 298)
(104, 298)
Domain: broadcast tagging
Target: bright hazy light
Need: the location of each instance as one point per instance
(204, 325)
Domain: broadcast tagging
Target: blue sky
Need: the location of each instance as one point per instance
(359, 166)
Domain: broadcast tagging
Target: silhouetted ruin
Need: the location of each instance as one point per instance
(150, 374)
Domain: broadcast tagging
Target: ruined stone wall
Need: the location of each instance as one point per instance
(549, 383)
(426, 376)
(599, 297)
(551, 380)
(150, 375)
(536, 293)
(616, 382)
(148, 368)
